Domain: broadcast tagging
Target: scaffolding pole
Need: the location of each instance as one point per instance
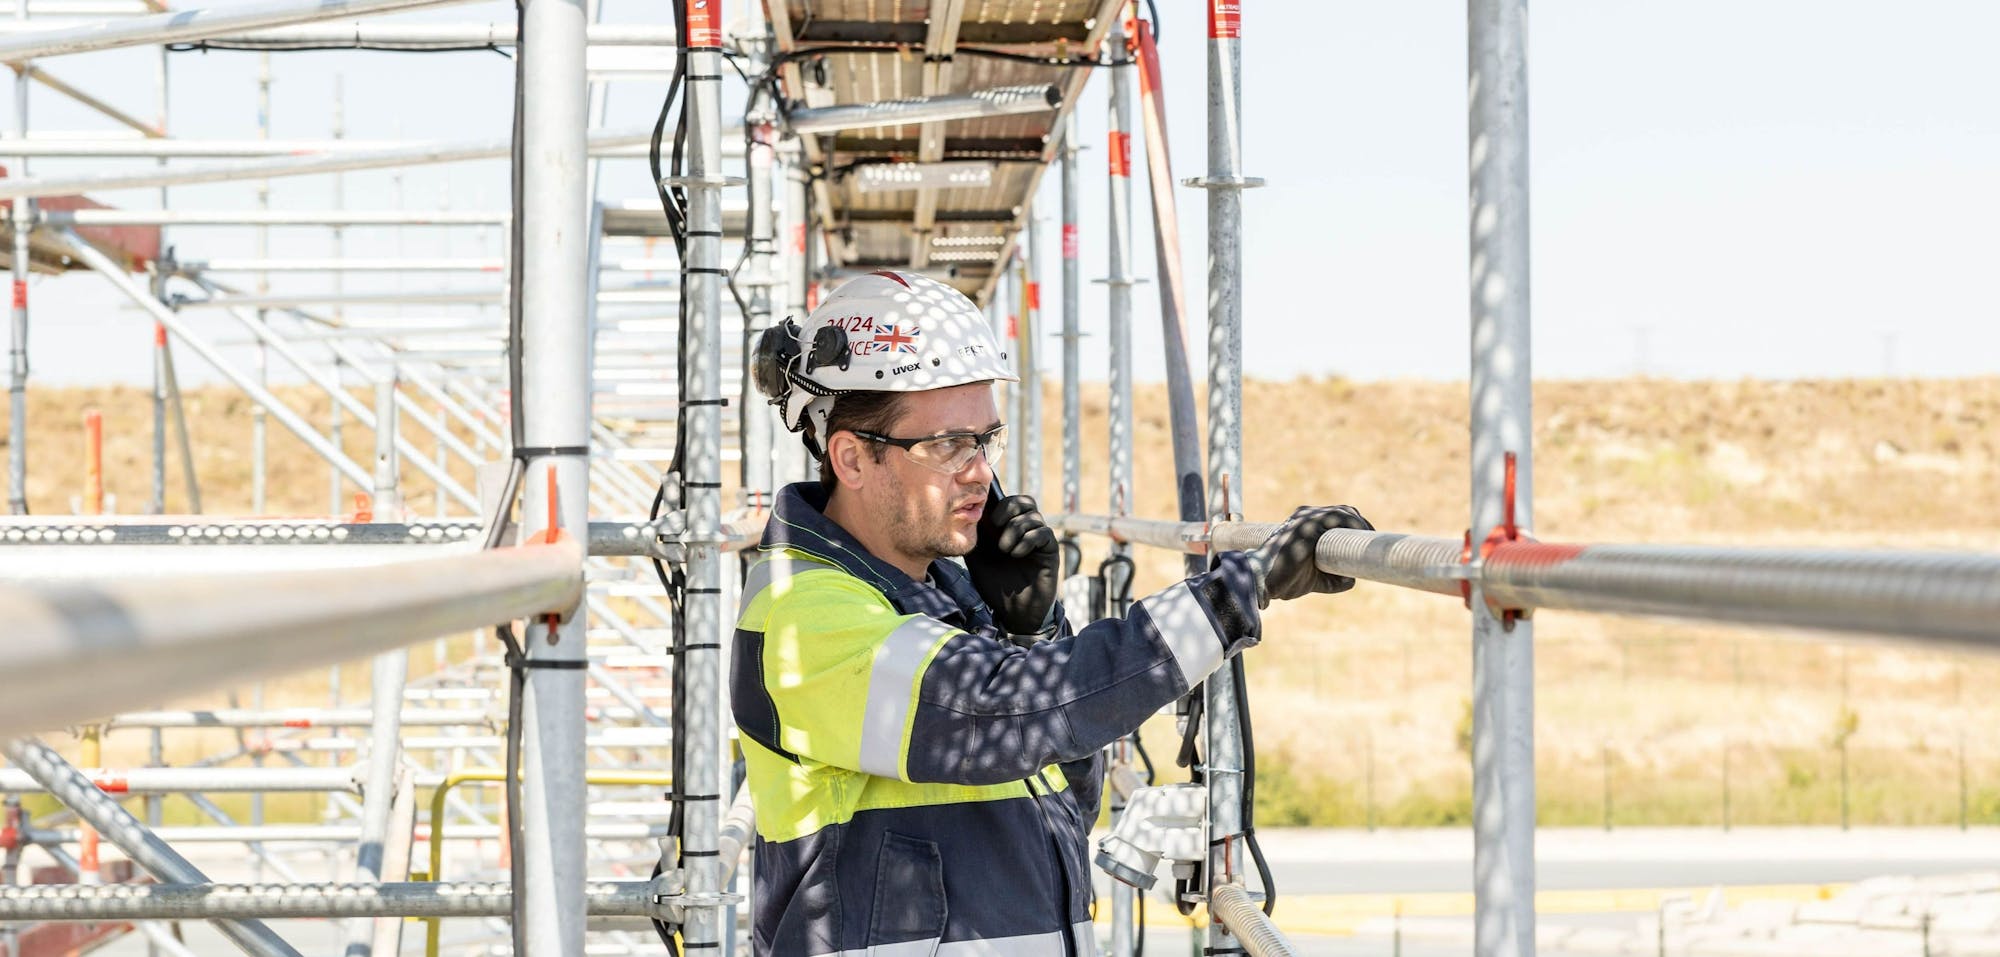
(1031, 364)
(1503, 659)
(755, 428)
(103, 812)
(789, 459)
(1222, 714)
(1072, 329)
(701, 788)
(391, 670)
(74, 649)
(182, 25)
(194, 900)
(292, 166)
(375, 34)
(1119, 161)
(555, 282)
(17, 346)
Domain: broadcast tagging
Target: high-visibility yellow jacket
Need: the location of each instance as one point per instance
(924, 786)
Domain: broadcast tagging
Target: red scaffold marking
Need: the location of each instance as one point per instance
(704, 24)
(20, 294)
(1528, 553)
(1070, 242)
(1121, 153)
(1225, 19)
(1034, 296)
(298, 723)
(1507, 535)
(799, 238)
(113, 785)
(160, 334)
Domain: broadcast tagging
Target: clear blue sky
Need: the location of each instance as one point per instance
(1721, 189)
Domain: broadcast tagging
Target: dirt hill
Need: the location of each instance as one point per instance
(1361, 700)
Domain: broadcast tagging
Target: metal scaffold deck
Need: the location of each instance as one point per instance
(560, 782)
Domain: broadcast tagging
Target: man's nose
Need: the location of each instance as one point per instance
(978, 471)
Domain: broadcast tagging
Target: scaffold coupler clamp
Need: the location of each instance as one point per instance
(671, 899)
(1506, 533)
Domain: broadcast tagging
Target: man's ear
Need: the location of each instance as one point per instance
(845, 450)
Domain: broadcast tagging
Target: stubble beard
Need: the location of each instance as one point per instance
(922, 533)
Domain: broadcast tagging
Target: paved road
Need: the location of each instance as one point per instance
(1348, 862)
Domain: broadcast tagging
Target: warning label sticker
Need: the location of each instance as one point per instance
(1225, 19)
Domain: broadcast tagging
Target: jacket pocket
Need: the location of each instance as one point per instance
(909, 908)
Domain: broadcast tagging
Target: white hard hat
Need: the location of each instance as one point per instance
(882, 332)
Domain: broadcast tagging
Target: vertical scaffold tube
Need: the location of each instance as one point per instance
(1031, 364)
(555, 370)
(1015, 308)
(17, 344)
(388, 481)
(701, 784)
(259, 430)
(757, 420)
(339, 252)
(1119, 159)
(1503, 664)
(1223, 728)
(391, 670)
(103, 812)
(789, 461)
(1072, 331)
(158, 504)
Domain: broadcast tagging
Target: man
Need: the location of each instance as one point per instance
(920, 738)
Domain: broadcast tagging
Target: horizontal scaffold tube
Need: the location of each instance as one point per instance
(294, 718)
(77, 651)
(198, 780)
(1935, 595)
(278, 901)
(311, 163)
(191, 25)
(316, 833)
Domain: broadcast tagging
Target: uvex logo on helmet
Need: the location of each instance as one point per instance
(882, 332)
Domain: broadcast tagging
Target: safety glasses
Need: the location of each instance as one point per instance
(950, 452)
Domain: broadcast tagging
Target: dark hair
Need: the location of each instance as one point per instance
(860, 411)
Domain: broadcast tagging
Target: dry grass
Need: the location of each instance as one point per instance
(1361, 699)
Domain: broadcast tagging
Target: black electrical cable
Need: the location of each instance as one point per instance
(1241, 686)
(1139, 935)
(516, 659)
(280, 46)
(673, 202)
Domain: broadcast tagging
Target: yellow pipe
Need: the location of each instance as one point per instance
(456, 778)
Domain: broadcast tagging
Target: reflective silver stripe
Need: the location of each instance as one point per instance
(1031, 945)
(763, 574)
(1186, 629)
(890, 692)
(1086, 938)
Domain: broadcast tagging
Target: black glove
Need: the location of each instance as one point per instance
(1285, 560)
(1015, 562)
